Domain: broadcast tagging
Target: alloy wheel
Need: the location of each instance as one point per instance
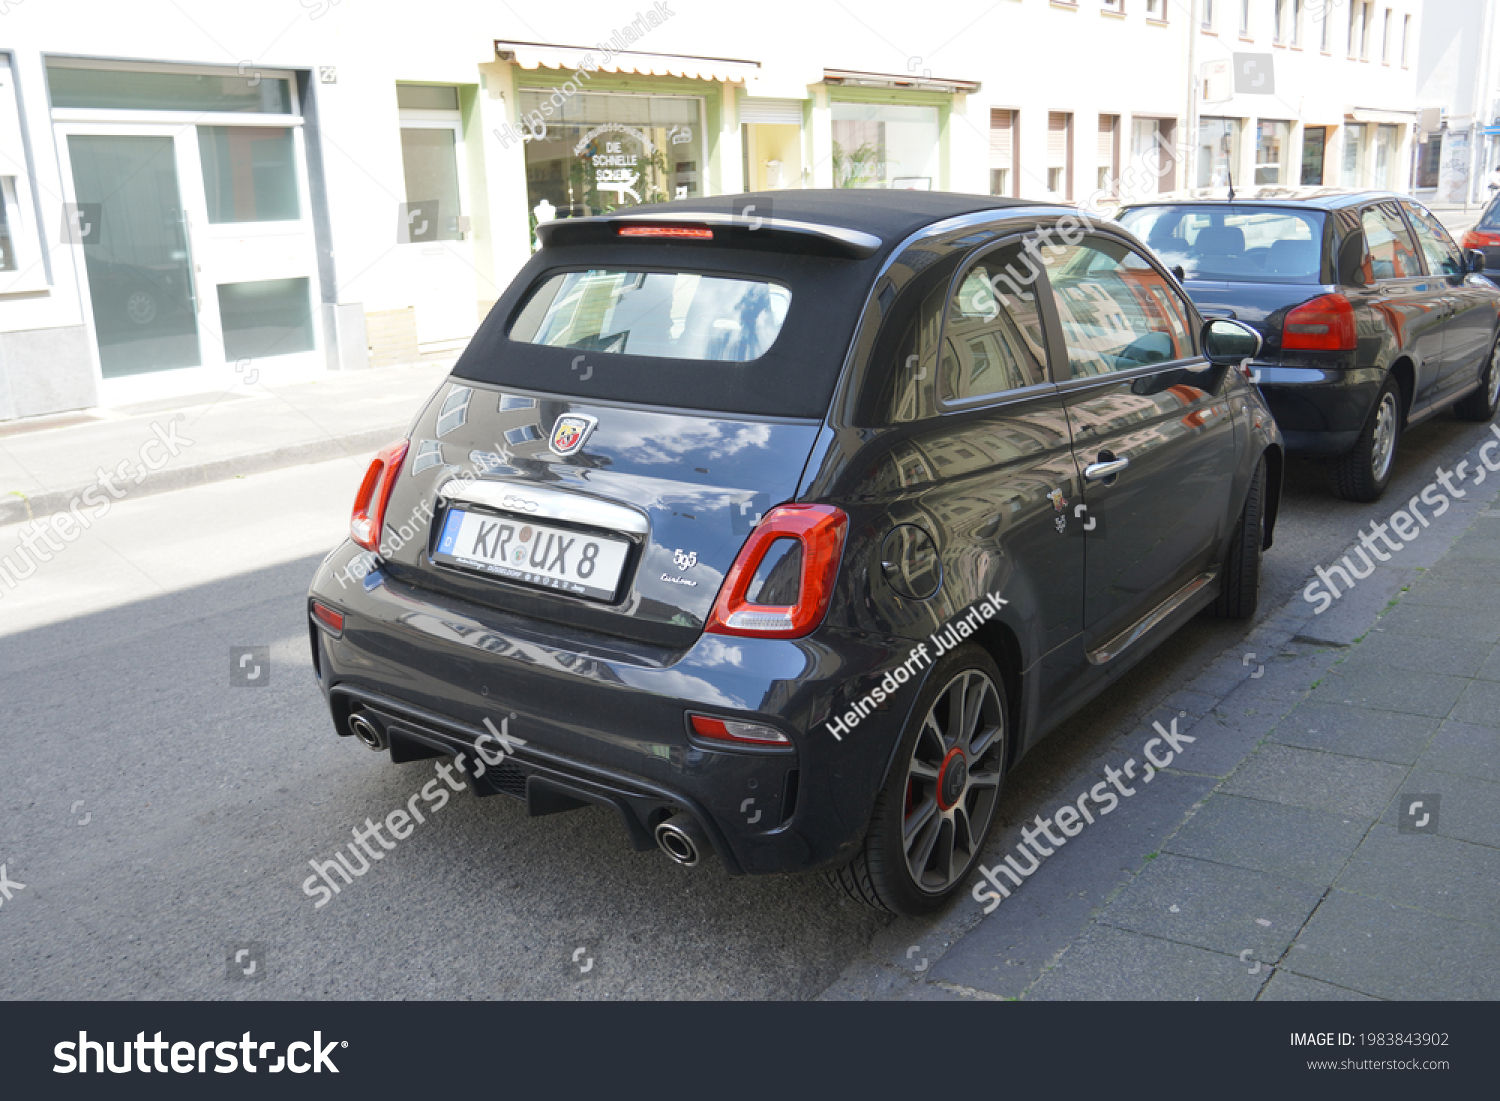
(1383, 441)
(953, 781)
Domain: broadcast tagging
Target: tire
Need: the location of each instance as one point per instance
(1364, 472)
(1482, 403)
(913, 799)
(1239, 587)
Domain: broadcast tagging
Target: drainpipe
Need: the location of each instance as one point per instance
(1484, 108)
(1195, 19)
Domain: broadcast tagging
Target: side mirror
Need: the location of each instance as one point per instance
(1475, 262)
(1227, 342)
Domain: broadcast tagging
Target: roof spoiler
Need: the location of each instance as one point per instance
(738, 230)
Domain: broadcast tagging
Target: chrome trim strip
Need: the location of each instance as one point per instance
(528, 499)
(1131, 635)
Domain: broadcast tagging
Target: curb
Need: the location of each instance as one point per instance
(18, 509)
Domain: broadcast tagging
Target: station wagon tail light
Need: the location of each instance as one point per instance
(682, 233)
(1325, 324)
(1478, 238)
(729, 730)
(374, 494)
(815, 534)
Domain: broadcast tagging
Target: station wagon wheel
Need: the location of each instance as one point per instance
(1482, 403)
(939, 801)
(1363, 473)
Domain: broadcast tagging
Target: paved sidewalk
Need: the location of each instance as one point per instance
(46, 463)
(1332, 832)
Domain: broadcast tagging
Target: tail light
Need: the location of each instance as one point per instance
(374, 494)
(1325, 323)
(680, 233)
(780, 584)
(1478, 238)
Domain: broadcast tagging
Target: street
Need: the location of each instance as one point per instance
(157, 818)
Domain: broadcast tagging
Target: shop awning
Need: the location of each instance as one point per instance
(605, 58)
(1378, 114)
(918, 81)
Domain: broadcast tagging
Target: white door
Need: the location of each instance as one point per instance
(434, 229)
(197, 246)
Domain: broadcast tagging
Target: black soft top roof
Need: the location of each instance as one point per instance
(829, 275)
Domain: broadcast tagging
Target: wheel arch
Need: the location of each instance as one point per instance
(1405, 373)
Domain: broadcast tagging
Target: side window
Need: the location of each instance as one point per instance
(1117, 311)
(992, 331)
(1389, 252)
(1443, 257)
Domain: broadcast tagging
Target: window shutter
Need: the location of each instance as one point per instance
(1057, 139)
(1108, 125)
(1002, 137)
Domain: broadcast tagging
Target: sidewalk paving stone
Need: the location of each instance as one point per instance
(1288, 986)
(1114, 964)
(1445, 656)
(1441, 875)
(1466, 749)
(1357, 731)
(1475, 624)
(1369, 684)
(1214, 906)
(1480, 703)
(1291, 841)
(1390, 951)
(1351, 786)
(1469, 810)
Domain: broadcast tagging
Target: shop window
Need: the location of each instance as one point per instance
(1271, 148)
(1218, 151)
(885, 145)
(1429, 160)
(591, 153)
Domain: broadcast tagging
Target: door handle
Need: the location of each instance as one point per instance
(1105, 469)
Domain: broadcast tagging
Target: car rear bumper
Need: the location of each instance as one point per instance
(1320, 410)
(605, 720)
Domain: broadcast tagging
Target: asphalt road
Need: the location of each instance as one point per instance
(161, 819)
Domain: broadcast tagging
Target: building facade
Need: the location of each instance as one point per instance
(1459, 91)
(202, 197)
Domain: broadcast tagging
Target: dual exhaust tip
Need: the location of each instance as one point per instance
(681, 838)
(367, 730)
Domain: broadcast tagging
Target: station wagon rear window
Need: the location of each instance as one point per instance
(668, 315)
(1236, 244)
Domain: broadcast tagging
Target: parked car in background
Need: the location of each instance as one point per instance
(1484, 236)
(786, 537)
(1372, 318)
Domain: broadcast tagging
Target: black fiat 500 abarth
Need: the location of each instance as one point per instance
(784, 524)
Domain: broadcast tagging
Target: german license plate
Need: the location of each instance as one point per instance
(532, 553)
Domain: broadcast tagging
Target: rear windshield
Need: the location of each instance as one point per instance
(713, 327)
(1237, 244)
(669, 315)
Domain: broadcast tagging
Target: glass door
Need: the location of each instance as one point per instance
(197, 244)
(130, 222)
